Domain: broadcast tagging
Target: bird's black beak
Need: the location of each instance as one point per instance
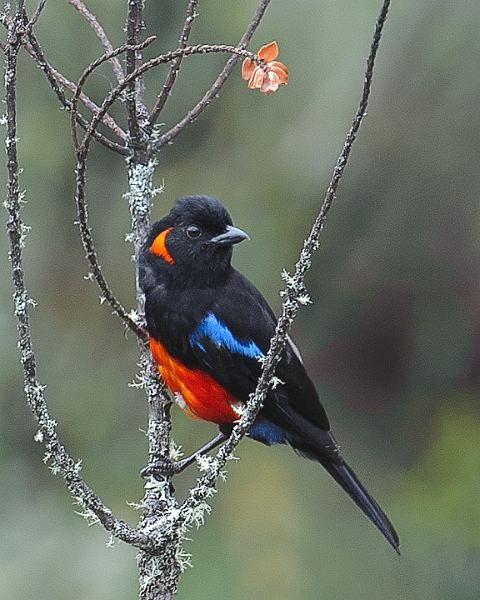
(233, 235)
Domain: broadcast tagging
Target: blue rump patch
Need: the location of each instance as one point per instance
(221, 335)
(266, 432)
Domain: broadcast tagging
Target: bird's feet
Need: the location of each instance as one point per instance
(164, 468)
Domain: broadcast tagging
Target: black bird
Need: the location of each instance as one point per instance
(209, 326)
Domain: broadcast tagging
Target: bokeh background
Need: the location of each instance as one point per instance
(392, 339)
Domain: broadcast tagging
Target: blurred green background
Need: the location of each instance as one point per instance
(392, 339)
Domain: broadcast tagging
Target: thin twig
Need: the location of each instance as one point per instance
(168, 136)
(86, 73)
(92, 257)
(35, 16)
(175, 66)
(57, 80)
(80, 198)
(296, 296)
(107, 120)
(114, 94)
(102, 36)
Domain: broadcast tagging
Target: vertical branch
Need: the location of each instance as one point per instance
(158, 574)
(135, 102)
(15, 227)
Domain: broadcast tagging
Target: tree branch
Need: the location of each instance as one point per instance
(116, 92)
(82, 152)
(35, 16)
(137, 114)
(87, 72)
(102, 36)
(217, 85)
(91, 254)
(175, 66)
(56, 455)
(57, 80)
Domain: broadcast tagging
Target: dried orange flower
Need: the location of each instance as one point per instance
(266, 77)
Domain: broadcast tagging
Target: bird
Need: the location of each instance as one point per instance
(209, 328)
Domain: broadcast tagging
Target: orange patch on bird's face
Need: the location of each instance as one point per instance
(159, 248)
(203, 398)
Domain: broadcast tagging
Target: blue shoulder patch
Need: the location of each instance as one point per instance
(220, 335)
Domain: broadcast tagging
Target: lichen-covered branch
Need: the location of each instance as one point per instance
(55, 454)
(137, 113)
(159, 571)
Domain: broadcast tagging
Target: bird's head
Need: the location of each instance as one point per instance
(194, 242)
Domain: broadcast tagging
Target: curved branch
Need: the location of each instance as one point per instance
(86, 73)
(92, 257)
(56, 81)
(217, 85)
(82, 211)
(114, 94)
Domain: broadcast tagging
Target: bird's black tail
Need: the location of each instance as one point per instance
(347, 479)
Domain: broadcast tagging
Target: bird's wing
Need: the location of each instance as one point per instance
(229, 344)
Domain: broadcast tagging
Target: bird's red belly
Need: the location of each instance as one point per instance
(201, 396)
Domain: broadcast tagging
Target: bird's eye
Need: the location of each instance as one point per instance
(193, 231)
